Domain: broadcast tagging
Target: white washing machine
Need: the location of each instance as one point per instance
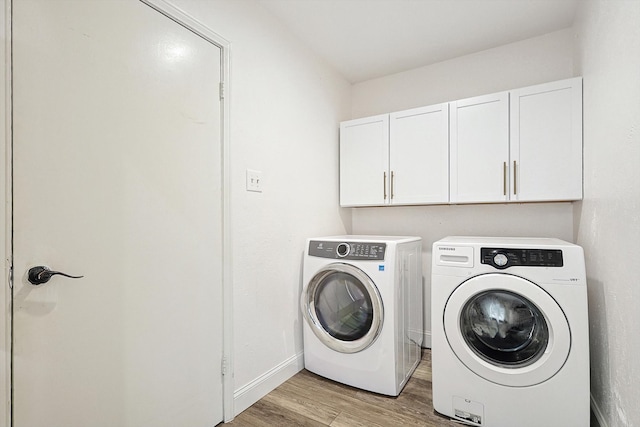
(362, 308)
(510, 332)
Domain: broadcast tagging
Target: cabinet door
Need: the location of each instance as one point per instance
(419, 155)
(364, 161)
(546, 142)
(479, 149)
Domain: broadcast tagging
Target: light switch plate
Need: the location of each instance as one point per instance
(254, 180)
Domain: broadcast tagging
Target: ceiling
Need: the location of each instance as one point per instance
(365, 39)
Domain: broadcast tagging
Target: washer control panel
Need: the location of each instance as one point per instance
(502, 258)
(348, 250)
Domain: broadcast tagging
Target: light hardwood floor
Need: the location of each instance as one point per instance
(309, 400)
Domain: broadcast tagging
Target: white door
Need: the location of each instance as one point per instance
(117, 178)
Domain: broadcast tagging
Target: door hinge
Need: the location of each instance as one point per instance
(221, 90)
(11, 277)
(224, 366)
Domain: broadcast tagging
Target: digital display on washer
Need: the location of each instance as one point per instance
(504, 258)
(348, 250)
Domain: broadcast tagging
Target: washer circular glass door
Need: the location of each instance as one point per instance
(343, 307)
(504, 328)
(507, 329)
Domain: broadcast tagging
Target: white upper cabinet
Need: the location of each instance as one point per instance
(418, 155)
(546, 142)
(364, 161)
(479, 149)
(523, 145)
(395, 159)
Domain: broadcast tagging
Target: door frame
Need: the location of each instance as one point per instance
(6, 136)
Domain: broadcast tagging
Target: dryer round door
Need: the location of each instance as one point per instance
(507, 330)
(343, 307)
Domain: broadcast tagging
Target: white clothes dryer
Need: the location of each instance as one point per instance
(510, 343)
(362, 308)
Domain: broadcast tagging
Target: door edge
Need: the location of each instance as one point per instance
(5, 214)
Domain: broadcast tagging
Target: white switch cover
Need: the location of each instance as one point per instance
(254, 181)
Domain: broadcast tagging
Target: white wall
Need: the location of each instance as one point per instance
(607, 222)
(536, 60)
(524, 63)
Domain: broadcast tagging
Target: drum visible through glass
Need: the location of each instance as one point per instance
(504, 328)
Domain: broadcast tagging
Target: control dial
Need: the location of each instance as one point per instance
(343, 250)
(500, 260)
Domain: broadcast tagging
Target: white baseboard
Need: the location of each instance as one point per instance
(598, 413)
(426, 339)
(261, 386)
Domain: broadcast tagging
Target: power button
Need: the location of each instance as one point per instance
(343, 250)
(500, 260)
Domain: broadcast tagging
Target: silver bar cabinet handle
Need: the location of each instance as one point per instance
(514, 178)
(384, 185)
(504, 178)
(392, 180)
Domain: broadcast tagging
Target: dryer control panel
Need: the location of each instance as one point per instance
(348, 250)
(502, 258)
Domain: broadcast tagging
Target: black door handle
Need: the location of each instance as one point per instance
(41, 274)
